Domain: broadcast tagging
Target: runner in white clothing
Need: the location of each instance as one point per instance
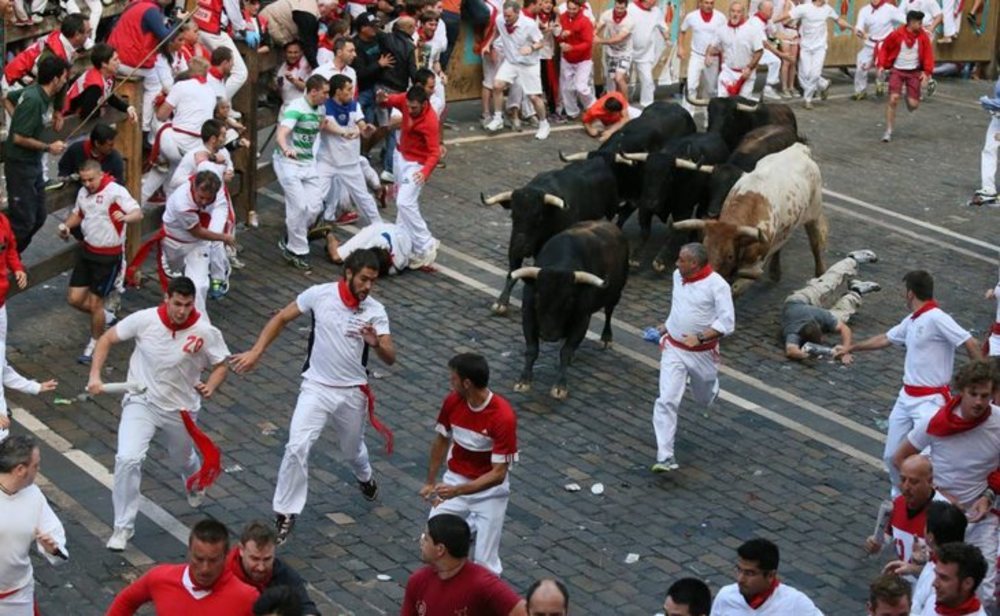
(648, 21)
(758, 591)
(174, 345)
(773, 55)
(993, 342)
(930, 337)
(702, 27)
(701, 313)
(388, 241)
(812, 17)
(964, 441)
(875, 21)
(889, 595)
(347, 323)
(739, 45)
(959, 576)
(27, 518)
(614, 31)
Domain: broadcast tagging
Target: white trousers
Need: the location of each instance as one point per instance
(24, 9)
(700, 76)
(173, 146)
(193, 259)
(221, 222)
(865, 62)
(728, 75)
(906, 413)
(4, 432)
(576, 86)
(952, 17)
(988, 159)
(773, 64)
(484, 511)
(151, 87)
(647, 86)
(139, 423)
(303, 201)
(985, 534)
(811, 72)
(408, 205)
(21, 603)
(346, 181)
(676, 367)
(95, 7)
(239, 74)
(347, 408)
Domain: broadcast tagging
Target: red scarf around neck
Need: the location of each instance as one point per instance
(105, 180)
(947, 421)
(639, 4)
(214, 71)
(760, 17)
(910, 38)
(527, 13)
(176, 327)
(760, 598)
(735, 26)
(510, 28)
(618, 18)
(930, 305)
(701, 274)
(347, 296)
(971, 606)
(706, 16)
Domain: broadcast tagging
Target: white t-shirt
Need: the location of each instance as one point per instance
(608, 28)
(181, 213)
(739, 44)
(923, 590)
(338, 151)
(930, 342)
(429, 52)
(525, 32)
(929, 8)
(963, 461)
(696, 306)
(336, 348)
(24, 513)
(382, 235)
(170, 362)
(785, 601)
(99, 230)
(645, 25)
(812, 24)
(908, 58)
(299, 70)
(187, 167)
(193, 103)
(703, 33)
(329, 69)
(879, 23)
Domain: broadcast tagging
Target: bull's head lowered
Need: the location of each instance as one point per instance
(734, 251)
(529, 210)
(557, 293)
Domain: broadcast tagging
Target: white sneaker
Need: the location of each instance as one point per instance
(119, 539)
(110, 318)
(495, 124)
(770, 92)
(195, 498)
(254, 220)
(543, 130)
(387, 177)
(88, 352)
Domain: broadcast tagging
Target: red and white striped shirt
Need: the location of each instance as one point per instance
(480, 437)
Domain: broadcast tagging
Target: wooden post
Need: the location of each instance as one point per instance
(245, 159)
(129, 143)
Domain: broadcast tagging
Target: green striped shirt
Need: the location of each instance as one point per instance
(304, 120)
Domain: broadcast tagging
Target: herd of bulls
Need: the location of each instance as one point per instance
(743, 186)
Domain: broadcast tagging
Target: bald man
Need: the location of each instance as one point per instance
(772, 57)
(739, 47)
(548, 598)
(907, 523)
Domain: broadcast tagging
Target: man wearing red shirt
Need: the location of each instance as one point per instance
(418, 153)
(481, 428)
(576, 71)
(909, 55)
(606, 115)
(450, 584)
(202, 586)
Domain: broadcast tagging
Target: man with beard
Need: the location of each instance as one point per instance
(253, 562)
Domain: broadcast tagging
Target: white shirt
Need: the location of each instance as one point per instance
(23, 513)
(168, 362)
(382, 235)
(696, 306)
(187, 167)
(929, 8)
(963, 461)
(338, 151)
(703, 33)
(525, 33)
(429, 52)
(908, 58)
(785, 601)
(645, 25)
(923, 590)
(97, 227)
(181, 213)
(812, 24)
(738, 44)
(930, 342)
(218, 86)
(193, 103)
(300, 71)
(879, 23)
(336, 348)
(609, 29)
(330, 69)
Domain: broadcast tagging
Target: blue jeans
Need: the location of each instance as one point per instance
(452, 25)
(389, 150)
(366, 99)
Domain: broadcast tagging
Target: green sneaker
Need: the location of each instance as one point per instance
(665, 466)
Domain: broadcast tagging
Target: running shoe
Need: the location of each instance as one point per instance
(369, 489)
(283, 524)
(665, 466)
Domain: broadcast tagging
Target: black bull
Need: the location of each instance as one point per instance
(552, 202)
(578, 272)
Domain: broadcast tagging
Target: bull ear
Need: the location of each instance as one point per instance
(580, 277)
(555, 201)
(495, 199)
(692, 224)
(755, 234)
(525, 272)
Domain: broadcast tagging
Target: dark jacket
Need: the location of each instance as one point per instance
(398, 76)
(283, 575)
(366, 62)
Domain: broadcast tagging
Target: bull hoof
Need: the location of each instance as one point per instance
(634, 263)
(607, 344)
(659, 266)
(559, 393)
(499, 309)
(522, 386)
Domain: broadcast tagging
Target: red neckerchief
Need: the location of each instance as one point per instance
(760, 598)
(215, 72)
(174, 327)
(971, 606)
(930, 305)
(200, 78)
(735, 26)
(545, 18)
(618, 19)
(760, 17)
(706, 16)
(347, 296)
(701, 274)
(105, 180)
(527, 13)
(293, 66)
(910, 38)
(639, 4)
(947, 421)
(510, 29)
(88, 151)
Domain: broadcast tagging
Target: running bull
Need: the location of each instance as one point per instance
(578, 272)
(735, 117)
(551, 202)
(784, 192)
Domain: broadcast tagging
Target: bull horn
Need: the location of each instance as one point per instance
(639, 157)
(623, 160)
(692, 224)
(497, 198)
(753, 233)
(554, 200)
(697, 102)
(683, 163)
(753, 273)
(525, 272)
(745, 107)
(588, 278)
(568, 158)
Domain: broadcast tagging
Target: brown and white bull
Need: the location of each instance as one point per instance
(784, 192)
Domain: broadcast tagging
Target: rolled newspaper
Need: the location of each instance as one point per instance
(127, 387)
(881, 520)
